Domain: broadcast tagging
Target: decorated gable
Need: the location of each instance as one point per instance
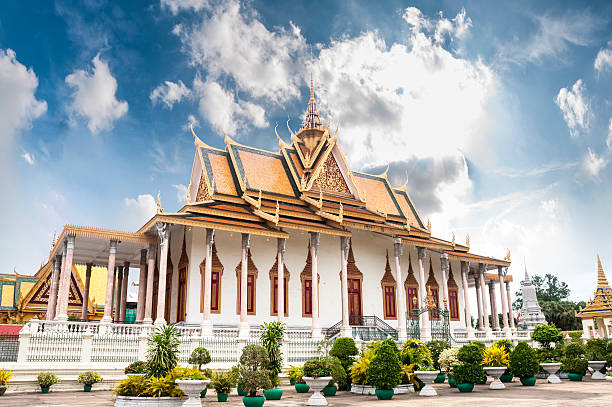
(41, 295)
(330, 178)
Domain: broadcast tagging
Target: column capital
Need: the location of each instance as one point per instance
(113, 247)
(344, 245)
(465, 267)
(281, 244)
(162, 232)
(422, 252)
(246, 241)
(210, 236)
(315, 239)
(482, 268)
(444, 261)
(70, 242)
(398, 249)
(507, 287)
(143, 257)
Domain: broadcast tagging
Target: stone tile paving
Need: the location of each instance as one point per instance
(583, 394)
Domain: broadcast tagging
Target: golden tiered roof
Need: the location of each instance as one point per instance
(601, 304)
(306, 185)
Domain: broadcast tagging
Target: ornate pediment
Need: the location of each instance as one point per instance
(330, 178)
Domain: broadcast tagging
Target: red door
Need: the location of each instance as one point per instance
(275, 296)
(389, 304)
(411, 296)
(354, 300)
(308, 298)
(182, 296)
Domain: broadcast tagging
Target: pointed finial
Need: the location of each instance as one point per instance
(453, 241)
(507, 258)
(467, 240)
(602, 281)
(160, 209)
(53, 241)
(429, 225)
(527, 279)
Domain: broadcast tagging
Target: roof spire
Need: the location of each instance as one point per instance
(602, 281)
(312, 119)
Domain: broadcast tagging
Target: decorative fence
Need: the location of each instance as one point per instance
(9, 346)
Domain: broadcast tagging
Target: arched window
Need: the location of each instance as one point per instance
(274, 289)
(306, 279)
(215, 282)
(181, 307)
(251, 285)
(355, 297)
(453, 296)
(412, 290)
(432, 286)
(388, 292)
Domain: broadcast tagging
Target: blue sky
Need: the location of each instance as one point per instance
(499, 113)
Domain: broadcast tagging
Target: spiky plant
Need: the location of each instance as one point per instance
(162, 355)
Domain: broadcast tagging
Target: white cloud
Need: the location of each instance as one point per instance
(609, 139)
(181, 193)
(223, 111)
(141, 208)
(29, 158)
(230, 42)
(603, 61)
(575, 107)
(177, 5)
(170, 93)
(593, 164)
(94, 96)
(18, 105)
(191, 122)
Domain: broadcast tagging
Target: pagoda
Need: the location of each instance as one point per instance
(531, 313)
(597, 315)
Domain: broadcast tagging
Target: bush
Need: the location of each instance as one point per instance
(384, 370)
(575, 365)
(344, 349)
(447, 359)
(574, 350)
(468, 373)
(470, 354)
(271, 336)
(435, 349)
(596, 349)
(337, 371)
(5, 376)
(133, 386)
(317, 368)
(200, 356)
(546, 335)
(495, 356)
(252, 371)
(359, 370)
(523, 361)
(137, 367)
(222, 382)
(162, 354)
(74, 318)
(415, 352)
(296, 373)
(506, 344)
(89, 378)
(575, 336)
(46, 379)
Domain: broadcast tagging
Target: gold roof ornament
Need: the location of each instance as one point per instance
(453, 241)
(507, 258)
(188, 195)
(467, 240)
(53, 241)
(602, 281)
(160, 209)
(429, 225)
(430, 300)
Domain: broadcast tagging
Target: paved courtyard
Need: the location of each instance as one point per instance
(587, 393)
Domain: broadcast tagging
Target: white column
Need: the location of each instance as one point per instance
(142, 286)
(280, 299)
(402, 335)
(503, 299)
(110, 279)
(483, 290)
(494, 313)
(164, 235)
(60, 271)
(148, 311)
(510, 309)
(243, 328)
(207, 325)
(345, 329)
(86, 292)
(479, 303)
(444, 267)
(465, 268)
(425, 327)
(124, 289)
(52, 303)
(314, 246)
(64, 283)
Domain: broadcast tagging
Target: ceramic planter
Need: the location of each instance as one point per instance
(129, 401)
(256, 401)
(330, 391)
(465, 387)
(440, 378)
(317, 384)
(597, 365)
(452, 382)
(203, 392)
(192, 388)
(495, 373)
(86, 388)
(528, 381)
(2, 390)
(273, 394)
(552, 369)
(574, 377)
(240, 391)
(506, 378)
(291, 382)
(427, 377)
(384, 394)
(44, 389)
(403, 389)
(301, 388)
(222, 397)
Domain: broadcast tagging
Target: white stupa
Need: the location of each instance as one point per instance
(531, 313)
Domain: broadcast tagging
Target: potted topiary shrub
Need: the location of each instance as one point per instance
(469, 370)
(436, 347)
(88, 379)
(447, 359)
(524, 364)
(46, 380)
(495, 362)
(200, 356)
(271, 337)
(317, 374)
(338, 376)
(384, 371)
(573, 363)
(345, 350)
(597, 354)
(5, 378)
(508, 346)
(138, 368)
(253, 375)
(222, 383)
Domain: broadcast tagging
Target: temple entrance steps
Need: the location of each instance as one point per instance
(364, 327)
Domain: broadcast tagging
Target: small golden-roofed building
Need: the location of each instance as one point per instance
(596, 316)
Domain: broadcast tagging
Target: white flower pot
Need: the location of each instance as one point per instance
(403, 389)
(192, 388)
(427, 377)
(596, 365)
(552, 369)
(495, 372)
(317, 384)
